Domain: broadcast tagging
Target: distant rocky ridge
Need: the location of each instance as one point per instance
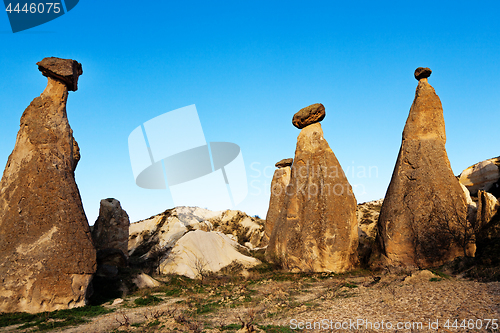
(154, 242)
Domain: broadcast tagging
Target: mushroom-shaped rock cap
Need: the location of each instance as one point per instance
(64, 70)
(309, 115)
(422, 73)
(284, 163)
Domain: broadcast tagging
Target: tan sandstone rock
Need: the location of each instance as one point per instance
(422, 276)
(423, 221)
(279, 183)
(111, 229)
(317, 231)
(46, 253)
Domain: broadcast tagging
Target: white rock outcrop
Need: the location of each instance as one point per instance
(481, 176)
(200, 252)
(471, 205)
(151, 241)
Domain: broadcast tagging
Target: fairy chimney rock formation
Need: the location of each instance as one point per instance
(423, 220)
(316, 229)
(46, 253)
(111, 229)
(280, 181)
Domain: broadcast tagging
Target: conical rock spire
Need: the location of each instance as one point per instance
(46, 253)
(423, 220)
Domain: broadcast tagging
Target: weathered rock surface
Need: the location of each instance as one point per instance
(423, 221)
(488, 227)
(200, 252)
(111, 229)
(63, 70)
(46, 253)
(279, 183)
(487, 207)
(284, 163)
(143, 281)
(471, 205)
(422, 73)
(246, 230)
(367, 215)
(483, 176)
(422, 276)
(318, 230)
(151, 240)
(309, 115)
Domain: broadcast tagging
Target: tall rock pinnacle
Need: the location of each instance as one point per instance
(280, 181)
(46, 253)
(316, 230)
(423, 220)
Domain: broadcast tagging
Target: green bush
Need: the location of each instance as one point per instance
(147, 300)
(49, 320)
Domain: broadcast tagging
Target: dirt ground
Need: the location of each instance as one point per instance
(285, 302)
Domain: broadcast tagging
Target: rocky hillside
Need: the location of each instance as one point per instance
(154, 242)
(367, 214)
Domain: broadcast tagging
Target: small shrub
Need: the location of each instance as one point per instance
(440, 274)
(154, 323)
(147, 300)
(230, 327)
(276, 329)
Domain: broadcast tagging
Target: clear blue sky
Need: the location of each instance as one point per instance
(249, 66)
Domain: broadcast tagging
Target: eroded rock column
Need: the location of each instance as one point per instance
(280, 181)
(46, 253)
(317, 229)
(423, 220)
